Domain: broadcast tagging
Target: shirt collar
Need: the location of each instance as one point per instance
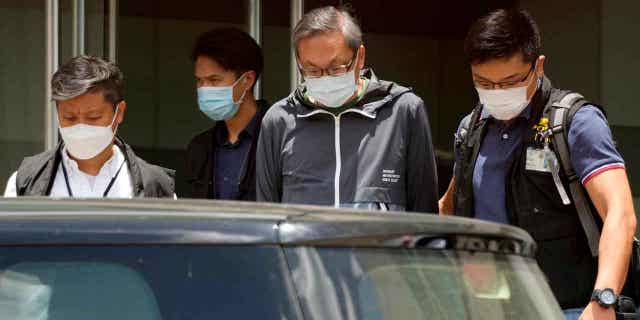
(250, 129)
(221, 133)
(109, 168)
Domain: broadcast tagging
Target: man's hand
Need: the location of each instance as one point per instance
(594, 311)
(611, 195)
(445, 204)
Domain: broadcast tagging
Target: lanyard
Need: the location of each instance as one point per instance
(106, 192)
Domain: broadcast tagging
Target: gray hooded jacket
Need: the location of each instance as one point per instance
(376, 154)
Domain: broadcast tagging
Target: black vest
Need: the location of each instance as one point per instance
(534, 204)
(36, 174)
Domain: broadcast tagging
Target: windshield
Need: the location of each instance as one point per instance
(386, 284)
(144, 283)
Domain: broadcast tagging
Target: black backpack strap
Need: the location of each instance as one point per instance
(474, 119)
(467, 128)
(560, 117)
(466, 148)
(475, 116)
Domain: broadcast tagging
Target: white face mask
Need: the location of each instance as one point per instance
(333, 91)
(504, 104)
(85, 141)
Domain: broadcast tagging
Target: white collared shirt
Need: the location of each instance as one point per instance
(84, 185)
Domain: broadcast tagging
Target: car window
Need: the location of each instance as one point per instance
(75, 290)
(384, 283)
(144, 283)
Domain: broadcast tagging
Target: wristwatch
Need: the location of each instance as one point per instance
(605, 297)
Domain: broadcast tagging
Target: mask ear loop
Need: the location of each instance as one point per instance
(538, 81)
(356, 59)
(243, 94)
(57, 116)
(539, 78)
(114, 119)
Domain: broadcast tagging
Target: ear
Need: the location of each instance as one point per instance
(540, 66)
(361, 57)
(58, 112)
(249, 79)
(122, 107)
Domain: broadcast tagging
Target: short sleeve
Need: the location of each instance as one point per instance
(591, 144)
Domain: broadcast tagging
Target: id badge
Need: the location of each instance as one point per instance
(537, 160)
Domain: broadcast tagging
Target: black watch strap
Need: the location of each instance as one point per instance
(604, 297)
(595, 295)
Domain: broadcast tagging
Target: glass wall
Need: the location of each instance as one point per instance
(22, 82)
(82, 26)
(590, 48)
(619, 67)
(276, 45)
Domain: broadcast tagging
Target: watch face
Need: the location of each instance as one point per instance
(607, 297)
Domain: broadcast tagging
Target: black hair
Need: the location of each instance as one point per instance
(502, 34)
(232, 49)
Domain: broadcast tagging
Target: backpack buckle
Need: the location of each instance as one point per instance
(543, 133)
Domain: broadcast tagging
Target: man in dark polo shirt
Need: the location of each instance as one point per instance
(510, 167)
(221, 160)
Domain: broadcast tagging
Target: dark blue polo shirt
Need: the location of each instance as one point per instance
(230, 159)
(590, 144)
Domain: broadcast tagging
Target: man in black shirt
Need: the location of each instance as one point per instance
(221, 160)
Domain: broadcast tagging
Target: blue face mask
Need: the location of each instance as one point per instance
(217, 102)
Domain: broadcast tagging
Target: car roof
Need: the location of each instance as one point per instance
(27, 221)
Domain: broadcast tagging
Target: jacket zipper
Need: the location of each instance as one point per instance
(336, 178)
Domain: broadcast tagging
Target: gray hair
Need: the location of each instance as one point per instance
(84, 74)
(328, 19)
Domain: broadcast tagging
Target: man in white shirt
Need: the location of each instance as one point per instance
(90, 161)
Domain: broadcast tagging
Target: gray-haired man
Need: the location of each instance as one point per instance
(89, 162)
(345, 138)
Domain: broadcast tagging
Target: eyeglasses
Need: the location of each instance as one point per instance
(332, 71)
(488, 85)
